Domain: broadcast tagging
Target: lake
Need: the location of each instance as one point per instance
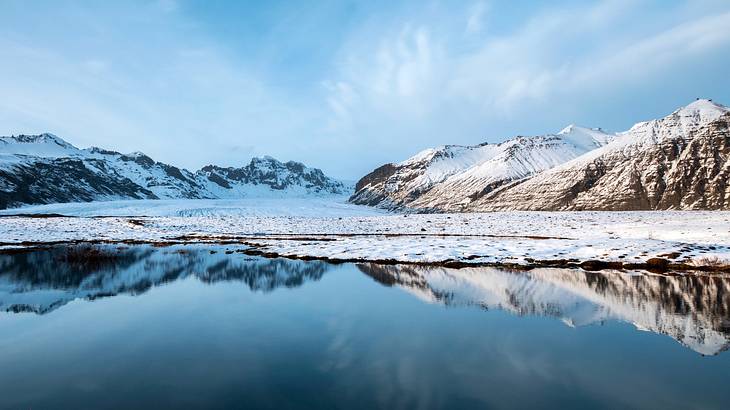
(202, 326)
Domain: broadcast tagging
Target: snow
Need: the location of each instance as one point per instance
(702, 110)
(647, 134)
(451, 163)
(282, 205)
(337, 230)
(43, 145)
(448, 176)
(262, 177)
(585, 139)
(22, 148)
(685, 307)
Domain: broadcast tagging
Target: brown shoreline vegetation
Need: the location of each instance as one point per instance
(85, 251)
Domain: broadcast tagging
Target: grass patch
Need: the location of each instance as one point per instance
(88, 256)
(710, 261)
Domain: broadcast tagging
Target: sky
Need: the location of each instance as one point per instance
(347, 86)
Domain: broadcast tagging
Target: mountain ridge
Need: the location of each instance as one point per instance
(44, 168)
(676, 162)
(449, 176)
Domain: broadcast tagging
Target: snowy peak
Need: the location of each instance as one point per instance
(44, 138)
(702, 110)
(39, 169)
(683, 120)
(676, 162)
(680, 161)
(269, 173)
(44, 145)
(584, 138)
(446, 177)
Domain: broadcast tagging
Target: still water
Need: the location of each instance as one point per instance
(199, 327)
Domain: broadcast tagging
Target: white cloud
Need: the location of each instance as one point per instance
(151, 77)
(433, 85)
(135, 86)
(476, 16)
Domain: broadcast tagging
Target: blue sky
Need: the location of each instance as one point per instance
(346, 86)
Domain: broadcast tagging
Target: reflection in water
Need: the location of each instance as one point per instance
(45, 280)
(694, 310)
(341, 340)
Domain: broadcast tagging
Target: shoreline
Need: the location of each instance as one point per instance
(665, 266)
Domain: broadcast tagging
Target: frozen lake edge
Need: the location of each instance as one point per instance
(340, 232)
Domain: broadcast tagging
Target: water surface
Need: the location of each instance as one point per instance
(208, 327)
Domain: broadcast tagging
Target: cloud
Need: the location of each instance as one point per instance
(347, 88)
(150, 82)
(425, 85)
(475, 19)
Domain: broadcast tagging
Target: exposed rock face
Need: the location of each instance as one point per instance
(273, 174)
(62, 180)
(677, 162)
(37, 169)
(452, 177)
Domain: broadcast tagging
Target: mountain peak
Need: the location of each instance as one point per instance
(45, 138)
(42, 145)
(585, 138)
(573, 129)
(567, 130)
(703, 109)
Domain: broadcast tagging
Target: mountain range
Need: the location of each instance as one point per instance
(676, 162)
(39, 169)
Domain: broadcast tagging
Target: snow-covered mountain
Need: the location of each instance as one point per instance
(691, 309)
(676, 162)
(451, 177)
(37, 169)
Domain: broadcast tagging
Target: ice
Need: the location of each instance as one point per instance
(285, 206)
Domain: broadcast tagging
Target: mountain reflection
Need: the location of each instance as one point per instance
(694, 310)
(41, 281)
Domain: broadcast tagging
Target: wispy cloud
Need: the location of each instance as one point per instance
(151, 82)
(440, 90)
(347, 87)
(476, 16)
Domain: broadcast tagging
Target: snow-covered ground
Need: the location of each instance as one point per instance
(333, 229)
(313, 206)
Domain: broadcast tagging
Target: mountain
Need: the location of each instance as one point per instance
(38, 169)
(452, 176)
(676, 162)
(688, 308)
